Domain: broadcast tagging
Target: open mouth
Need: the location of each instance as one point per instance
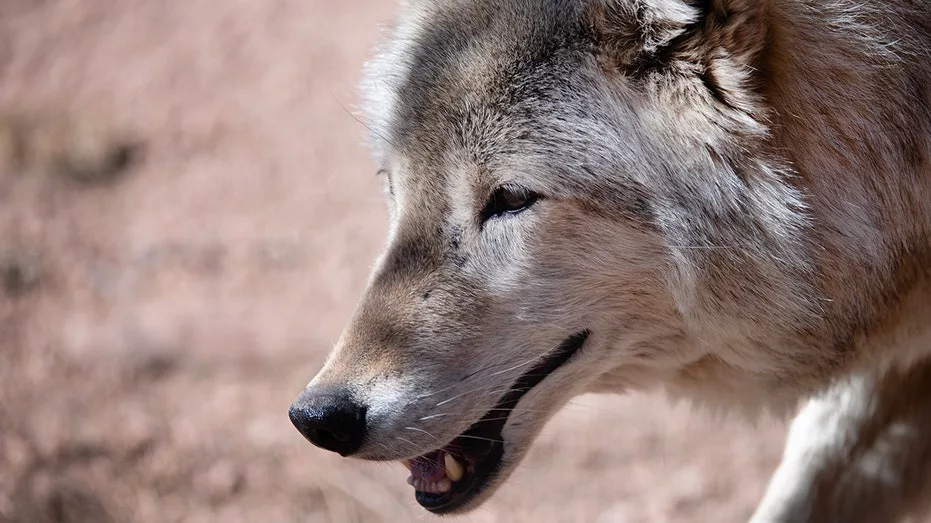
(447, 478)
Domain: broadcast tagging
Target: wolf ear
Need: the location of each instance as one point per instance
(642, 36)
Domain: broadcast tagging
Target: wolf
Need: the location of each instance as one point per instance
(729, 200)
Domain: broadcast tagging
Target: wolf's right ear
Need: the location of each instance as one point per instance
(644, 35)
(628, 31)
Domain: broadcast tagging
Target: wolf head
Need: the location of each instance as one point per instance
(582, 197)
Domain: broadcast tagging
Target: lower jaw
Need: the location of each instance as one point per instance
(484, 440)
(480, 475)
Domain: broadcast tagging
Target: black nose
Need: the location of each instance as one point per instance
(329, 419)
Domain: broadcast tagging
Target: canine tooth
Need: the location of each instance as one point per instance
(454, 469)
(444, 485)
(410, 480)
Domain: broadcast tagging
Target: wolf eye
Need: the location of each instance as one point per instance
(508, 199)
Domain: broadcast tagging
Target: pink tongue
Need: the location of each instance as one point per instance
(429, 467)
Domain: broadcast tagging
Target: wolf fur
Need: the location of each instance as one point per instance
(735, 201)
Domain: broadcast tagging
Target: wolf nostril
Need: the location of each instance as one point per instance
(329, 419)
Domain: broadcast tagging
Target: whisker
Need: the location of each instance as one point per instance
(468, 412)
(461, 394)
(415, 448)
(434, 416)
(483, 369)
(405, 440)
(480, 438)
(528, 362)
(423, 431)
(360, 122)
(495, 419)
(478, 372)
(462, 379)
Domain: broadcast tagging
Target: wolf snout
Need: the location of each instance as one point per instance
(330, 419)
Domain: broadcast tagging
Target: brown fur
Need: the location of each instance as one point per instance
(735, 203)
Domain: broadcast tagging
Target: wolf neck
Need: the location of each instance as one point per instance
(848, 111)
(851, 99)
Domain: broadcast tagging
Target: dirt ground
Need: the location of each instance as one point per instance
(187, 216)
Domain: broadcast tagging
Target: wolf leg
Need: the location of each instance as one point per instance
(861, 452)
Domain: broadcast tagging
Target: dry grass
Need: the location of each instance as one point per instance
(159, 312)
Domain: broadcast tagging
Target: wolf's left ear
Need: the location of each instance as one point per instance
(669, 36)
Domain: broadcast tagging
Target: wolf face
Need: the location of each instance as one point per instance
(581, 198)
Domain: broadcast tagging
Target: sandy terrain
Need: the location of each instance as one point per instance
(187, 215)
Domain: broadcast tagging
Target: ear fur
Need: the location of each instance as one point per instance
(736, 28)
(629, 31)
(710, 48)
(716, 41)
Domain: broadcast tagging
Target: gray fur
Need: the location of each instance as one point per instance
(736, 203)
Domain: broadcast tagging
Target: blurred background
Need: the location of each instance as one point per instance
(187, 216)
